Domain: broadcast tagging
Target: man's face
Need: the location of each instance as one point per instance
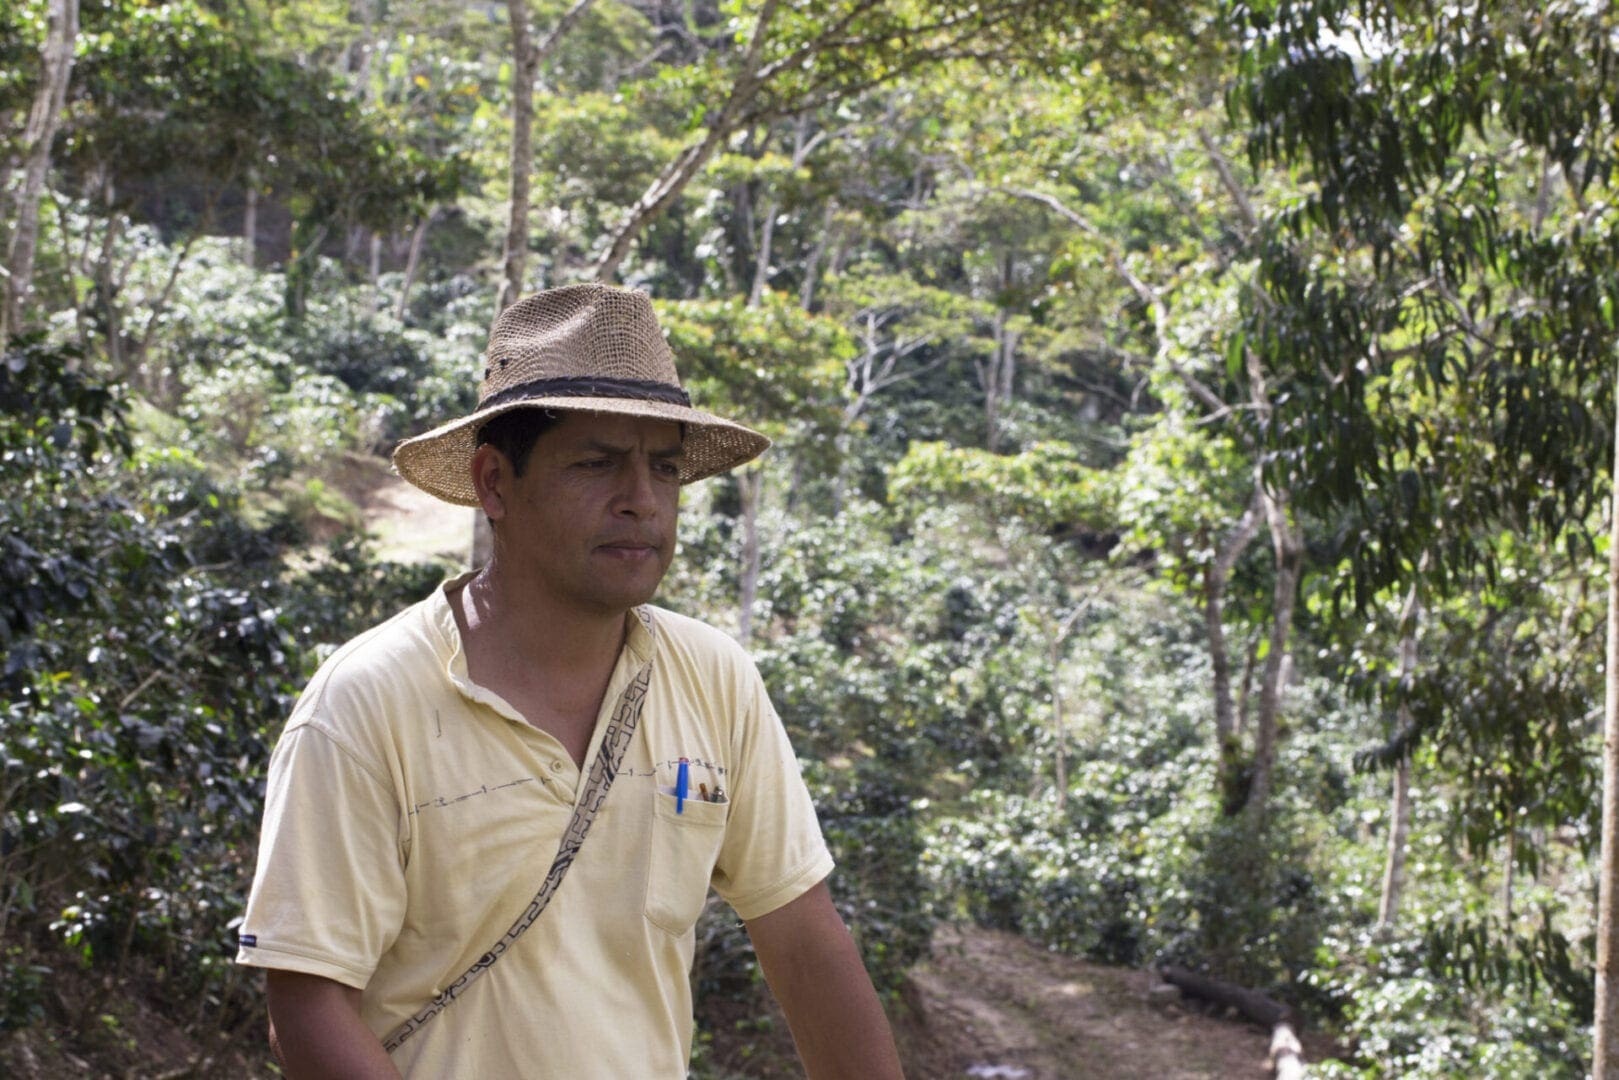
(592, 519)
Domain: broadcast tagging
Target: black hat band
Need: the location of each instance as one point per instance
(585, 386)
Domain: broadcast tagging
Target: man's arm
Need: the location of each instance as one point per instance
(814, 969)
(316, 1030)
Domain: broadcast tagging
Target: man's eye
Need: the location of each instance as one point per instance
(670, 470)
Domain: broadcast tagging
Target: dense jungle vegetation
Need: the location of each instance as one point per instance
(1186, 538)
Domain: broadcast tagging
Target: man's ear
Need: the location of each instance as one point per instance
(491, 474)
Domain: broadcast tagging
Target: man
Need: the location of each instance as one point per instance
(536, 722)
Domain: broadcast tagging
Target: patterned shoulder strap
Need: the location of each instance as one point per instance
(616, 739)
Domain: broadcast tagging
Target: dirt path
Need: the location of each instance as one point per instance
(990, 1004)
(407, 524)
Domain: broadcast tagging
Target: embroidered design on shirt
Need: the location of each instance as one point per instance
(483, 789)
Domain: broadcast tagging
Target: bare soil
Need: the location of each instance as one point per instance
(991, 1004)
(405, 523)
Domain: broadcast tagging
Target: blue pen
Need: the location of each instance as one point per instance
(682, 785)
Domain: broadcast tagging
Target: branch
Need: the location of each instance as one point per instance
(541, 52)
(1228, 180)
(679, 172)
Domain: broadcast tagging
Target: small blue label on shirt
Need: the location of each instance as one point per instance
(247, 941)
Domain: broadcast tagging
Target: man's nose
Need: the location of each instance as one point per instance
(637, 495)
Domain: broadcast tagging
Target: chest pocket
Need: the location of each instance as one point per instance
(681, 860)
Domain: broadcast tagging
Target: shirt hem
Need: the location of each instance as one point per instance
(785, 891)
(261, 956)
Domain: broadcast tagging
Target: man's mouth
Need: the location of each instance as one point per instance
(628, 549)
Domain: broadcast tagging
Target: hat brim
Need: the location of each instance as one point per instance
(440, 461)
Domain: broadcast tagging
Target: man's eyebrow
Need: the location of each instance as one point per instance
(595, 446)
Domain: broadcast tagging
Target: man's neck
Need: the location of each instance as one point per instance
(508, 622)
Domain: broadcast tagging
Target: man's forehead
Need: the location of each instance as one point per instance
(616, 430)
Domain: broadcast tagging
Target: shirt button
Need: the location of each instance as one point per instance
(556, 766)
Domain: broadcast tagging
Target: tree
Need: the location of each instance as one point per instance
(526, 60)
(1436, 312)
(776, 367)
(794, 59)
(56, 62)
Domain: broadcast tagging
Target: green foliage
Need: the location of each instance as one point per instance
(1047, 484)
(775, 364)
(1420, 263)
(235, 109)
(1461, 317)
(150, 656)
(1408, 1019)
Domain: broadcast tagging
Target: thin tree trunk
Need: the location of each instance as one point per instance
(750, 484)
(1245, 692)
(250, 222)
(761, 258)
(107, 287)
(989, 377)
(1059, 719)
(1388, 908)
(1605, 1043)
(1289, 564)
(1511, 857)
(61, 34)
(1216, 578)
(1288, 546)
(1058, 722)
(373, 271)
(526, 61)
(514, 258)
(413, 263)
(806, 291)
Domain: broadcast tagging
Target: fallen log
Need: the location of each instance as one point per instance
(1286, 1055)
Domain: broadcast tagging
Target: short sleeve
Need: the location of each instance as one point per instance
(328, 894)
(773, 851)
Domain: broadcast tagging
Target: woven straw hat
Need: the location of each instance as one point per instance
(580, 348)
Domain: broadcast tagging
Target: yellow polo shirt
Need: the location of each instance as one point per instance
(411, 815)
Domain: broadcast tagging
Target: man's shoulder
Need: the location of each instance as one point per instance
(372, 666)
(698, 638)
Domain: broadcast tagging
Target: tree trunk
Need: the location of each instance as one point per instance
(373, 271)
(107, 287)
(750, 484)
(413, 263)
(1289, 550)
(1227, 738)
(62, 32)
(1388, 907)
(1215, 581)
(761, 258)
(250, 223)
(514, 258)
(1058, 723)
(1286, 1053)
(1605, 1043)
(997, 377)
(806, 291)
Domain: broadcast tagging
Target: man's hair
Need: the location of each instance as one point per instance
(515, 433)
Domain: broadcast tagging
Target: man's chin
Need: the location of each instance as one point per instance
(623, 597)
